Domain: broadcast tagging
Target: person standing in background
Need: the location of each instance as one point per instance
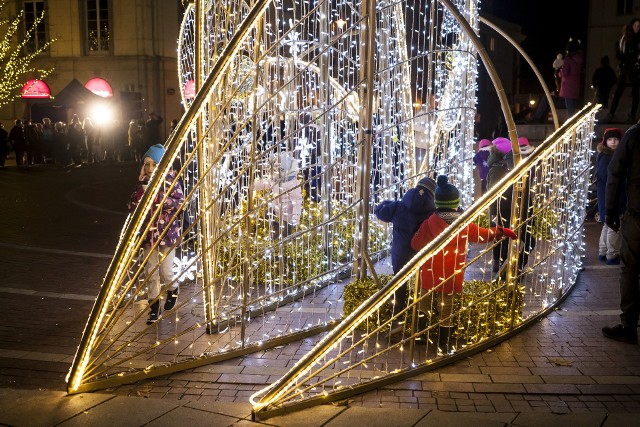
(627, 51)
(570, 74)
(603, 80)
(624, 176)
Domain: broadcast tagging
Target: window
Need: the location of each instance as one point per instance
(98, 26)
(32, 11)
(625, 7)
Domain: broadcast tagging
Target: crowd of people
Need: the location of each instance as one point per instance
(79, 141)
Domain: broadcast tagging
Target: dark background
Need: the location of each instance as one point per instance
(547, 25)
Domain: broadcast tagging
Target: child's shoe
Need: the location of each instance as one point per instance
(496, 266)
(154, 314)
(602, 258)
(614, 261)
(172, 297)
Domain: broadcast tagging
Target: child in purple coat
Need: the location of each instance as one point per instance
(164, 252)
(480, 160)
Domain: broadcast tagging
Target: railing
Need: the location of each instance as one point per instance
(275, 169)
(362, 352)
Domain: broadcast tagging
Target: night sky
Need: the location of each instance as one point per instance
(547, 24)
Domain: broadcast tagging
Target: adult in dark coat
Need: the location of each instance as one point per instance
(151, 131)
(500, 163)
(624, 174)
(603, 80)
(406, 216)
(18, 141)
(628, 49)
(4, 145)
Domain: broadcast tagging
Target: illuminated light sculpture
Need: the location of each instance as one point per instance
(302, 121)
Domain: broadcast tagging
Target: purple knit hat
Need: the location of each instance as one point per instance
(502, 144)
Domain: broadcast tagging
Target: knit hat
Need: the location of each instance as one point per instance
(447, 195)
(155, 152)
(611, 133)
(523, 140)
(427, 183)
(484, 143)
(502, 144)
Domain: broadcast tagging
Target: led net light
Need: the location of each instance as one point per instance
(270, 155)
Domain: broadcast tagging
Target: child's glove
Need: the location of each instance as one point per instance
(503, 231)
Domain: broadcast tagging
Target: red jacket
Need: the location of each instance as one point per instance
(445, 262)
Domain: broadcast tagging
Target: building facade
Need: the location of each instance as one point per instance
(130, 44)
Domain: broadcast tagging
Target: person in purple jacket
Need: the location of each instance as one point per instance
(406, 215)
(164, 252)
(480, 160)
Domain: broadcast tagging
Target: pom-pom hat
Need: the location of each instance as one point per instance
(155, 153)
(502, 144)
(427, 183)
(484, 143)
(611, 133)
(446, 195)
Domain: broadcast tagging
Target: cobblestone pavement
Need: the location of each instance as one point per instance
(60, 227)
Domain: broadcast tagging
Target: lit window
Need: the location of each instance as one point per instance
(98, 26)
(32, 11)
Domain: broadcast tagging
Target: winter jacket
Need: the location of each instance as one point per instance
(17, 138)
(480, 160)
(627, 52)
(570, 73)
(450, 260)
(605, 154)
(168, 210)
(286, 189)
(406, 216)
(624, 166)
(604, 77)
(500, 165)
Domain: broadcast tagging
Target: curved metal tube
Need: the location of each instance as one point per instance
(521, 51)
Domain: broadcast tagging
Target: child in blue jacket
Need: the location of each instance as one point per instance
(406, 216)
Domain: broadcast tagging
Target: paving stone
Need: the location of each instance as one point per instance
(122, 411)
(191, 417)
(452, 419)
(553, 420)
(354, 416)
(22, 407)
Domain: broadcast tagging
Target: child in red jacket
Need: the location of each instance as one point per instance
(444, 271)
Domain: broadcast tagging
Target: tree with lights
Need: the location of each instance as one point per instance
(15, 64)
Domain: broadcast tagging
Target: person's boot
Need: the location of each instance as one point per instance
(421, 325)
(172, 297)
(627, 334)
(155, 313)
(445, 340)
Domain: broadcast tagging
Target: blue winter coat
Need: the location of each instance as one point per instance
(605, 154)
(406, 216)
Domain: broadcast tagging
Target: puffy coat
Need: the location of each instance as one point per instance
(605, 154)
(480, 160)
(448, 262)
(570, 73)
(406, 216)
(499, 166)
(168, 210)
